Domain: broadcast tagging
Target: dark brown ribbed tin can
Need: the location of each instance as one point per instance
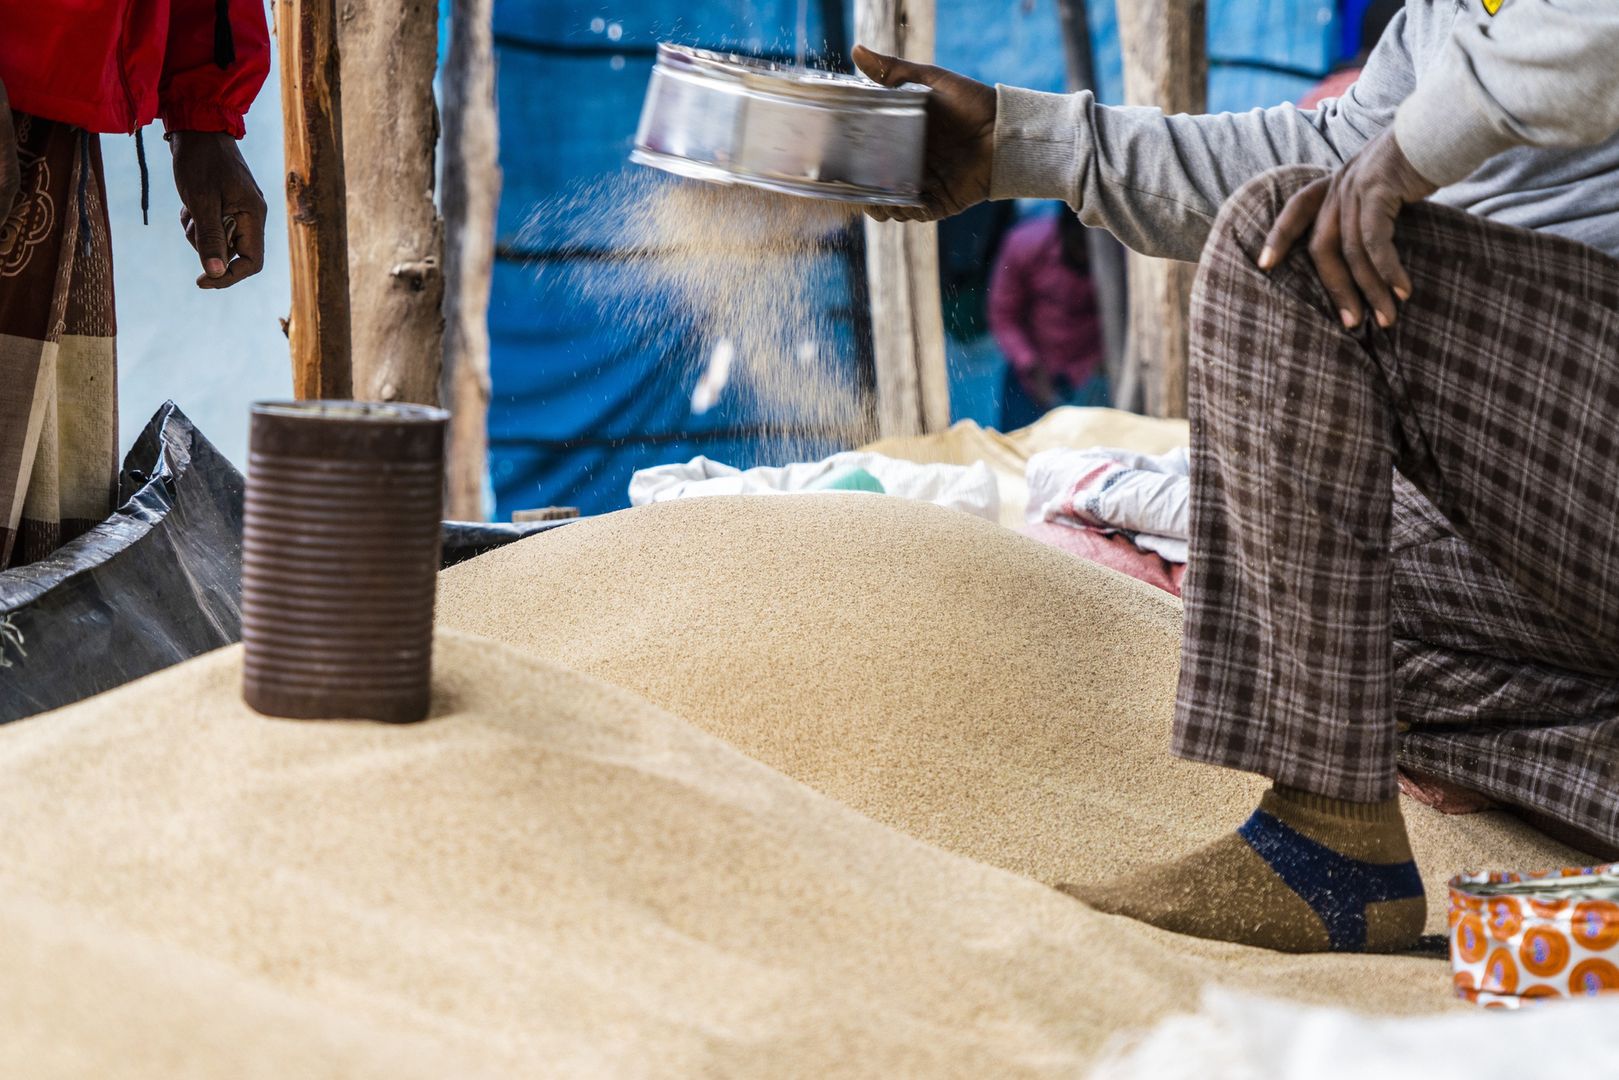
(340, 552)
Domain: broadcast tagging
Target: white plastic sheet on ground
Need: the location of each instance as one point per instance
(1235, 1037)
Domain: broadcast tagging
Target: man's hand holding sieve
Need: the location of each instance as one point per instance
(960, 134)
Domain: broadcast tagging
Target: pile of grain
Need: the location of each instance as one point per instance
(549, 877)
(939, 673)
(553, 876)
(83, 999)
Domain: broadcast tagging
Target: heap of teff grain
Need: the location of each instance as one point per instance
(554, 876)
(944, 675)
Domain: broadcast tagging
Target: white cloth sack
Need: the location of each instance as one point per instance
(960, 487)
(1142, 496)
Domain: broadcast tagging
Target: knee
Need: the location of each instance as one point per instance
(1233, 300)
(1247, 216)
(1228, 275)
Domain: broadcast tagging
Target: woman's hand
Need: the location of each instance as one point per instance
(222, 207)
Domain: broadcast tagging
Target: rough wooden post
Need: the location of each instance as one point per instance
(471, 196)
(902, 262)
(389, 51)
(317, 234)
(1107, 263)
(1165, 64)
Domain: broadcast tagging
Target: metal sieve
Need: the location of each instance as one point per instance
(732, 119)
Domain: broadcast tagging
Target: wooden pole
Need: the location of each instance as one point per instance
(1106, 254)
(902, 262)
(471, 196)
(317, 234)
(389, 51)
(1165, 64)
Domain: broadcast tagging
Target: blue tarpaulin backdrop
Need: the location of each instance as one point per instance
(583, 397)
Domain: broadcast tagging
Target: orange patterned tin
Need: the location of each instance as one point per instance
(1517, 937)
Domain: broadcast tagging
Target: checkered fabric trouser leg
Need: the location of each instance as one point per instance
(1496, 396)
(1483, 687)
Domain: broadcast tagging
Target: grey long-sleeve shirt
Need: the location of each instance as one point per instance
(1487, 102)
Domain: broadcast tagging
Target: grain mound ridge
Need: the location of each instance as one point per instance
(549, 877)
(936, 672)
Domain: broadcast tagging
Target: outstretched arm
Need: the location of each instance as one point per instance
(1154, 181)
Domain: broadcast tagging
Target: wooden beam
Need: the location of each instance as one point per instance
(471, 196)
(1160, 298)
(902, 262)
(1106, 254)
(317, 233)
(1165, 64)
(389, 51)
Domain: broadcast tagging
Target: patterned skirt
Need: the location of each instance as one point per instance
(58, 367)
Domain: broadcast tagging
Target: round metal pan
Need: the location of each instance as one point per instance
(732, 119)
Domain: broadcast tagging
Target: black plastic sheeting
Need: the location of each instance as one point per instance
(156, 583)
(465, 540)
(151, 586)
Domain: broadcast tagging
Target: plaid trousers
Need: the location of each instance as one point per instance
(1405, 545)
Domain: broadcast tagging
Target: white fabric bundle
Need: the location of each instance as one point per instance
(959, 487)
(1144, 497)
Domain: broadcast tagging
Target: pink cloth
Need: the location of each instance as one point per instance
(1442, 795)
(1112, 551)
(1042, 312)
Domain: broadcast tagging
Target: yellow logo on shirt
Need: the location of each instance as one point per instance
(1492, 6)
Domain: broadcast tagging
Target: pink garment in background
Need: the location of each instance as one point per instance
(1042, 312)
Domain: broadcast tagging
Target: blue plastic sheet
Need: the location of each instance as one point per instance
(583, 397)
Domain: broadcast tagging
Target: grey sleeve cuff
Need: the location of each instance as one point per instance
(1444, 129)
(1040, 144)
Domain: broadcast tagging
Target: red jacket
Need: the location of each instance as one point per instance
(115, 65)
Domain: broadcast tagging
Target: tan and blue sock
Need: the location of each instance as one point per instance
(1305, 873)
